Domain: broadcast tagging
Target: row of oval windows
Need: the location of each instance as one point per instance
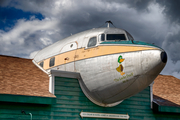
(92, 42)
(51, 62)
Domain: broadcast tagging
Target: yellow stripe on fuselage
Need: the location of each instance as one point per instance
(82, 53)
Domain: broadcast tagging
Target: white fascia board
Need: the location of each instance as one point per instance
(59, 73)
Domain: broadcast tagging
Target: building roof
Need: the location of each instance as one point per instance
(20, 76)
(166, 90)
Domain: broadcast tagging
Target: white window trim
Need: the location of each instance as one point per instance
(51, 83)
(151, 94)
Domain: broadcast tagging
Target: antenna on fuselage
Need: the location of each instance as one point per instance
(109, 22)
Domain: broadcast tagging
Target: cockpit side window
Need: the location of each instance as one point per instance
(92, 42)
(116, 37)
(51, 62)
(102, 37)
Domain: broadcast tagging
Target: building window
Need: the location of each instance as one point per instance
(51, 62)
(92, 42)
(41, 64)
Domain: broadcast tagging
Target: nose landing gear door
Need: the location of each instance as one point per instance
(68, 53)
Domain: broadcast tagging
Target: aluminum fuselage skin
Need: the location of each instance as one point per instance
(104, 79)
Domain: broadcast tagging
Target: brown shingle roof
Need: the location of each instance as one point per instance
(166, 90)
(21, 77)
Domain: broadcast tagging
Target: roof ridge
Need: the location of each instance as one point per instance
(14, 57)
(169, 76)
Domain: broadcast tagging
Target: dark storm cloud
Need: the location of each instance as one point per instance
(4, 3)
(172, 14)
(152, 21)
(139, 5)
(172, 45)
(80, 16)
(88, 17)
(171, 9)
(172, 39)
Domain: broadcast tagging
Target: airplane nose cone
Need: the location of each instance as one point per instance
(163, 57)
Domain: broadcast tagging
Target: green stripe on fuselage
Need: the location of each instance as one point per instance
(128, 42)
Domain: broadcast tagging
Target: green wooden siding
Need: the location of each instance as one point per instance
(159, 108)
(71, 101)
(26, 99)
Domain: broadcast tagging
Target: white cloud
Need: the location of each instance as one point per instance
(33, 54)
(172, 68)
(24, 28)
(46, 41)
(27, 36)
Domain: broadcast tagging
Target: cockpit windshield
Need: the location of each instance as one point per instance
(116, 37)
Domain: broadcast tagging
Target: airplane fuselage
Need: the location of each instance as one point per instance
(112, 65)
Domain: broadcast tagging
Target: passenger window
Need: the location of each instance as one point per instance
(92, 42)
(51, 62)
(41, 64)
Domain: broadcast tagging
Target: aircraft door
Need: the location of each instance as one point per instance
(69, 47)
(68, 53)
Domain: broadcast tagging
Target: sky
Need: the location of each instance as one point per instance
(27, 26)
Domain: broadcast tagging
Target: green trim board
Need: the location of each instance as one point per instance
(27, 99)
(168, 109)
